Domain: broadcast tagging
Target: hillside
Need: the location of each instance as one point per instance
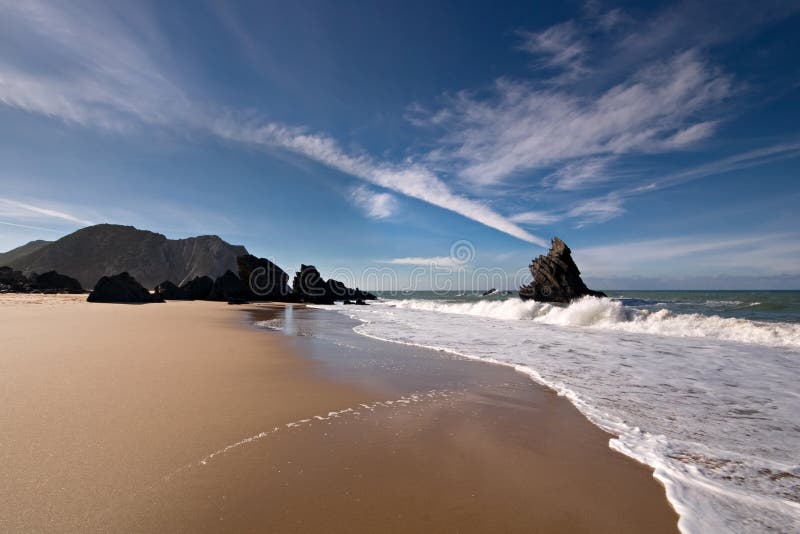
(13, 255)
(106, 249)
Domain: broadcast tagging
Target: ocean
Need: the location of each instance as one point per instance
(702, 386)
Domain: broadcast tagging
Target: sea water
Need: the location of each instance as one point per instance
(702, 386)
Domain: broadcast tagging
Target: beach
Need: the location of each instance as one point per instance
(184, 416)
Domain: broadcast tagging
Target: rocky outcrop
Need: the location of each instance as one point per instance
(556, 277)
(12, 281)
(121, 287)
(169, 291)
(309, 286)
(54, 282)
(229, 287)
(264, 279)
(198, 288)
(341, 292)
(105, 249)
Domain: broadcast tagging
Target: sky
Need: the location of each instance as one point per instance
(660, 140)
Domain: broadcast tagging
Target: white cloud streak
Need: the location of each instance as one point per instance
(536, 218)
(113, 83)
(442, 261)
(15, 209)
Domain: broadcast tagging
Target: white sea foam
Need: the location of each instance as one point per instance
(718, 421)
(604, 313)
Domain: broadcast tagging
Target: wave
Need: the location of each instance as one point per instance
(606, 313)
(716, 421)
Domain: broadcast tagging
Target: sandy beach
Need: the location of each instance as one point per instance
(183, 417)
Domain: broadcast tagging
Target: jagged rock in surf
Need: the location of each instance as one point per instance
(121, 287)
(556, 277)
(309, 286)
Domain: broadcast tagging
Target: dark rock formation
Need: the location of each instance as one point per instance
(121, 288)
(264, 279)
(309, 286)
(556, 278)
(169, 291)
(339, 292)
(52, 281)
(105, 249)
(198, 288)
(229, 287)
(12, 281)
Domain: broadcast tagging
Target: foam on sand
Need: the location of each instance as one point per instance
(710, 403)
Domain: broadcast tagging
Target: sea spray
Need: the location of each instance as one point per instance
(611, 314)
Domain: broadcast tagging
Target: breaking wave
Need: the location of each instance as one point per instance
(610, 314)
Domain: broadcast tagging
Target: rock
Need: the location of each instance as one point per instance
(556, 278)
(238, 301)
(121, 288)
(169, 291)
(489, 292)
(55, 282)
(198, 288)
(12, 281)
(348, 301)
(309, 286)
(264, 279)
(361, 302)
(229, 287)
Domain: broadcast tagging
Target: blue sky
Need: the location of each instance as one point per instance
(660, 140)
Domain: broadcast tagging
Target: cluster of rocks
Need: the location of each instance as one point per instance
(258, 279)
(12, 281)
(556, 277)
(309, 286)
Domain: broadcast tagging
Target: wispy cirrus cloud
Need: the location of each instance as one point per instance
(523, 126)
(597, 209)
(561, 47)
(537, 218)
(14, 209)
(112, 80)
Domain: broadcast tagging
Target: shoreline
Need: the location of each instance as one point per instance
(405, 440)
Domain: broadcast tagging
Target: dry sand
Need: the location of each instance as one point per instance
(111, 415)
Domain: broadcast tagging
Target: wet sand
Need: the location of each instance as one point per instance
(180, 417)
